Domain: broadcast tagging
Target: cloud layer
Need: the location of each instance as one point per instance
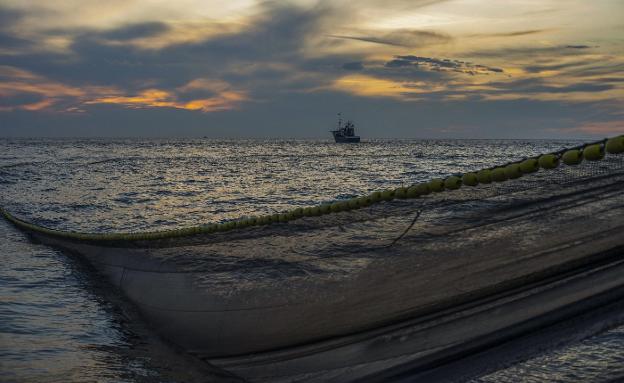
(225, 65)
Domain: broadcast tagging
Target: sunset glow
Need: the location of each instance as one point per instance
(248, 57)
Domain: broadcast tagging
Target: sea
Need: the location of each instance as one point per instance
(59, 322)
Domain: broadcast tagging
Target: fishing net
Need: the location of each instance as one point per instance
(333, 241)
(374, 261)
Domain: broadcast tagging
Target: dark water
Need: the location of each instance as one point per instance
(52, 326)
(58, 322)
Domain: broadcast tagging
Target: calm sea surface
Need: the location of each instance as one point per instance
(59, 322)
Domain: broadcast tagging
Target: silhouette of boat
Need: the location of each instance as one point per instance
(345, 133)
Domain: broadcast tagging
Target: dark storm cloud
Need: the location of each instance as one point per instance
(9, 17)
(398, 63)
(537, 85)
(521, 33)
(330, 63)
(276, 35)
(135, 31)
(547, 67)
(610, 79)
(270, 59)
(91, 61)
(436, 64)
(528, 52)
(588, 87)
(19, 99)
(511, 34)
(401, 37)
(401, 73)
(8, 39)
(579, 68)
(598, 69)
(584, 87)
(122, 34)
(357, 65)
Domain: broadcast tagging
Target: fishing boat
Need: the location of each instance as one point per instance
(345, 133)
(384, 286)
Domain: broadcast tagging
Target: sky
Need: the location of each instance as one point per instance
(244, 68)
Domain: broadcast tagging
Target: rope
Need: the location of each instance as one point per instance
(397, 239)
(593, 151)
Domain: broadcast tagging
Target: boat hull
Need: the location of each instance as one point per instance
(340, 138)
(347, 140)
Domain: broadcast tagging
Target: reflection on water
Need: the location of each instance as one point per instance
(59, 322)
(596, 359)
(100, 185)
(52, 326)
(56, 324)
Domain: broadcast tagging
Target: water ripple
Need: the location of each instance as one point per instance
(54, 327)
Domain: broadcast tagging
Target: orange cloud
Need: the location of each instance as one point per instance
(369, 86)
(150, 97)
(48, 89)
(569, 84)
(43, 104)
(224, 99)
(12, 72)
(205, 84)
(60, 97)
(605, 127)
(15, 81)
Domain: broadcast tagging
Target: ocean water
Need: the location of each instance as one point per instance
(60, 322)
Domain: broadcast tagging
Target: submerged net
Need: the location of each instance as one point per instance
(332, 241)
(372, 261)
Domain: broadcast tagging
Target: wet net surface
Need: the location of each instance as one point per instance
(356, 270)
(338, 246)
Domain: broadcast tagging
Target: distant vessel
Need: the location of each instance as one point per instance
(345, 133)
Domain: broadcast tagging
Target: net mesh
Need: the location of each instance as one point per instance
(493, 224)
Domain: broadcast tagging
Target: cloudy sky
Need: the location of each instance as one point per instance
(245, 68)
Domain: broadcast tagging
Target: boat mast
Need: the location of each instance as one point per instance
(339, 121)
